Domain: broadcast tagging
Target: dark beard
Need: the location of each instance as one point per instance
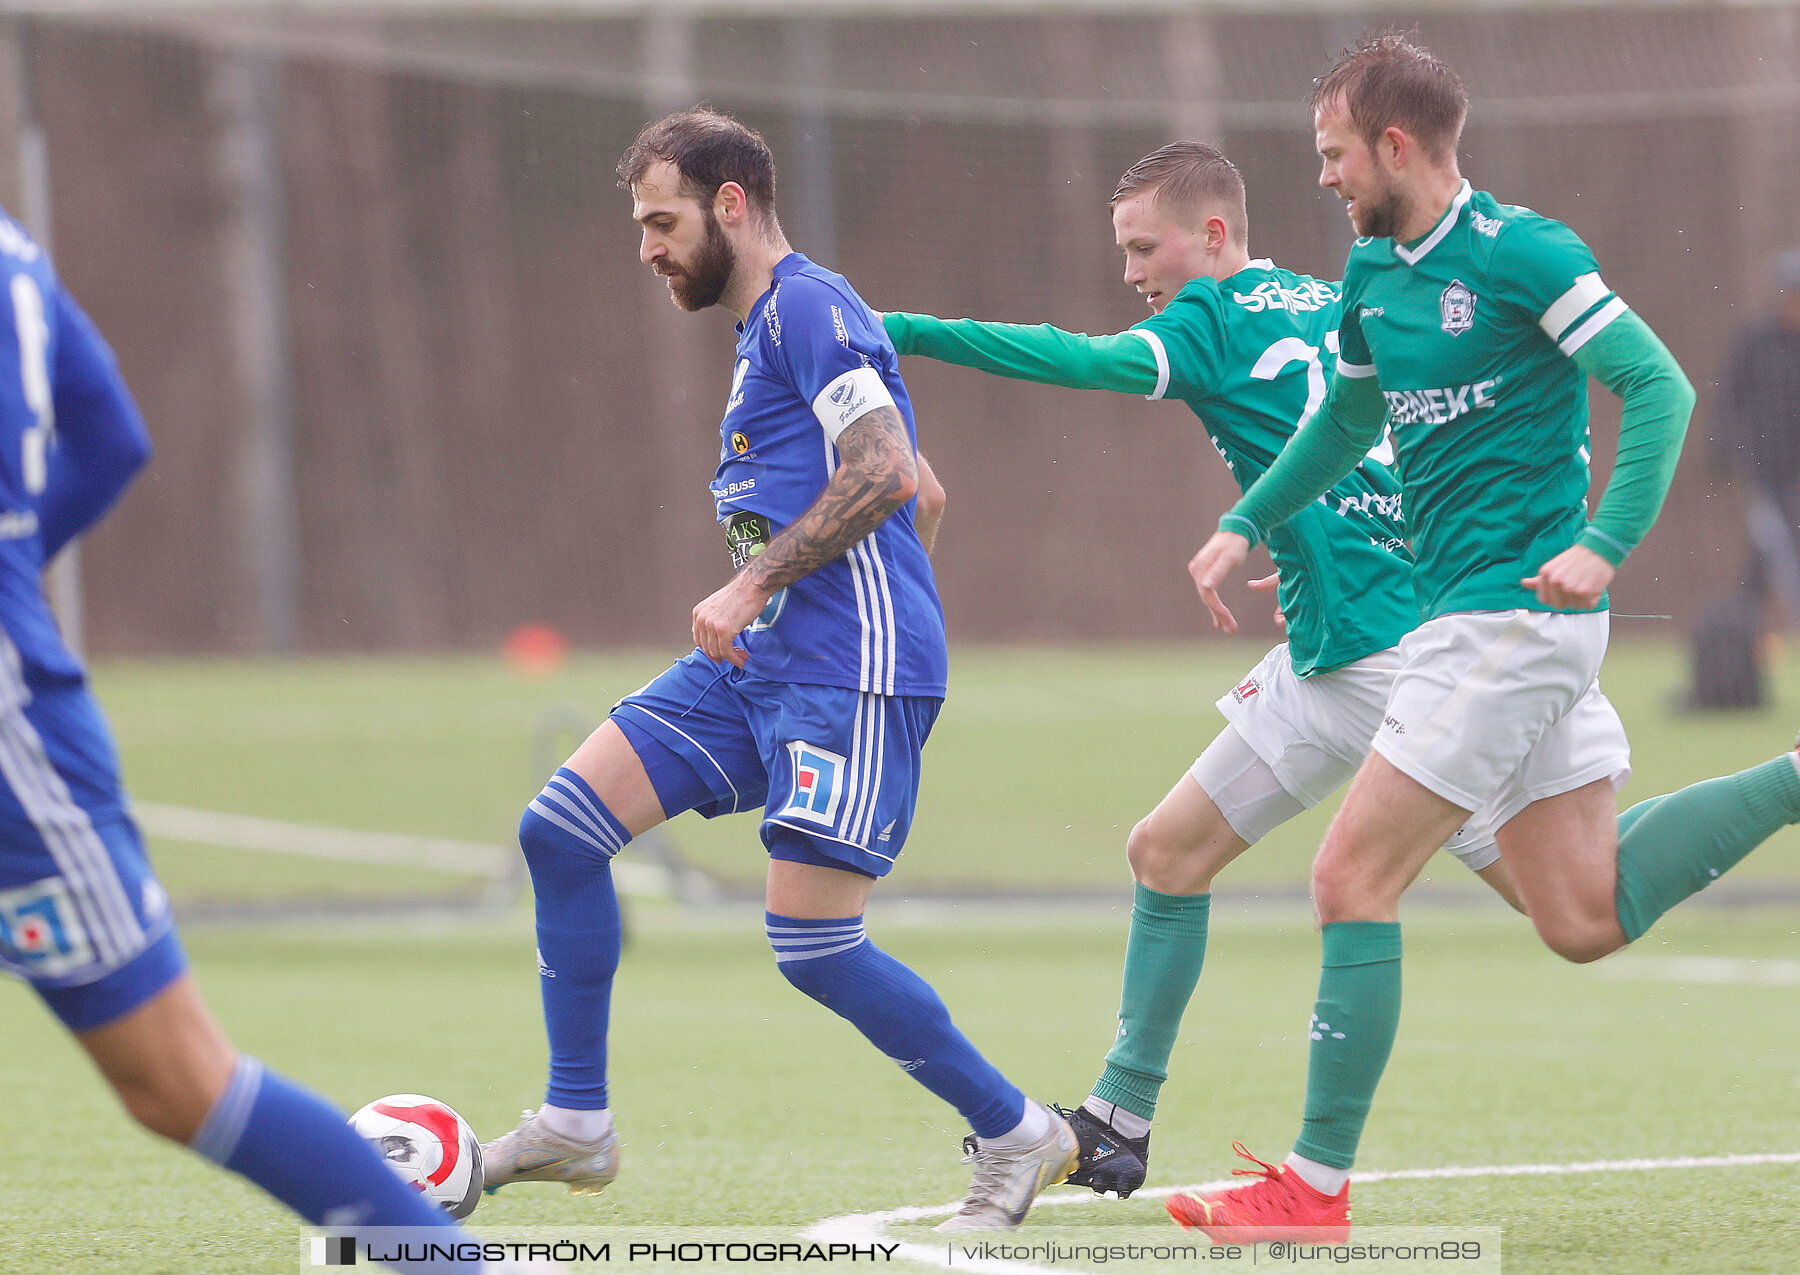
(1382, 219)
(701, 283)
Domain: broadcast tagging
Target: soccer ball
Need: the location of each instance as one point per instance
(428, 1144)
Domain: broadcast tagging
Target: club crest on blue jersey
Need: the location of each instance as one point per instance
(39, 930)
(818, 783)
(1458, 306)
(766, 618)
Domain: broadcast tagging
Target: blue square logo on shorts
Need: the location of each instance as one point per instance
(818, 783)
(39, 931)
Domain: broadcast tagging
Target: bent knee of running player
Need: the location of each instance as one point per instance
(1564, 853)
(1229, 800)
(1179, 847)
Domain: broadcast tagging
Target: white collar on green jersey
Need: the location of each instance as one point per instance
(1411, 255)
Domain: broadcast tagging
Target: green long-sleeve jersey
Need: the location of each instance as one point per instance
(1248, 355)
(1474, 344)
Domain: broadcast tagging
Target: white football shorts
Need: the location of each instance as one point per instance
(1313, 733)
(1493, 710)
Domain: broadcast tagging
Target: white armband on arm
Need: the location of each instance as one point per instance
(1587, 291)
(855, 393)
(1161, 354)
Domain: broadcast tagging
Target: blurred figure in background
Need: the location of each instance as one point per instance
(1757, 437)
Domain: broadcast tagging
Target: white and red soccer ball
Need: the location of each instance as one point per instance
(428, 1144)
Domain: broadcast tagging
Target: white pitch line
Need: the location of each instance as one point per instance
(352, 845)
(1704, 969)
(254, 832)
(862, 1228)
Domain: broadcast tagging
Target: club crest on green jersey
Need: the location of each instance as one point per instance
(1458, 306)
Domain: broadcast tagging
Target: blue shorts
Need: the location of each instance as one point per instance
(835, 770)
(82, 917)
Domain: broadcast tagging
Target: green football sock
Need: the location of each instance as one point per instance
(1676, 845)
(1162, 964)
(1353, 1028)
(1630, 817)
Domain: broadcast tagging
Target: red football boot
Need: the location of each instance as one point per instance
(1279, 1205)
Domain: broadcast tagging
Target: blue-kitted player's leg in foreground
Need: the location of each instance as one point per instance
(837, 773)
(83, 918)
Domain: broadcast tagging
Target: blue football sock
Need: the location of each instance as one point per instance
(569, 838)
(297, 1147)
(833, 962)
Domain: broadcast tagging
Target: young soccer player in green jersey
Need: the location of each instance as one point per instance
(1473, 326)
(1244, 344)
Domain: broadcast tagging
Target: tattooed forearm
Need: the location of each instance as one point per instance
(876, 474)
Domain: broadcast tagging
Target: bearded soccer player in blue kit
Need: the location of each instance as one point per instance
(82, 917)
(819, 671)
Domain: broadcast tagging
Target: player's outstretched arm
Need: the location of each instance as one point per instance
(1125, 362)
(877, 473)
(101, 442)
(1629, 359)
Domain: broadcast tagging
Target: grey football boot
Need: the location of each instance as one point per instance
(1006, 1181)
(532, 1153)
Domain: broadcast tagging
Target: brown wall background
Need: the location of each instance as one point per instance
(496, 416)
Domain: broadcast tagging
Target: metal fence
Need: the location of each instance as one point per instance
(374, 286)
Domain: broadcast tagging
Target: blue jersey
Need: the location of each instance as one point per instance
(811, 359)
(70, 441)
(77, 899)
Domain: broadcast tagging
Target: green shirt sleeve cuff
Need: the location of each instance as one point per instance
(1597, 540)
(1238, 524)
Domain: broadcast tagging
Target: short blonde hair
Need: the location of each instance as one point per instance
(1190, 179)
